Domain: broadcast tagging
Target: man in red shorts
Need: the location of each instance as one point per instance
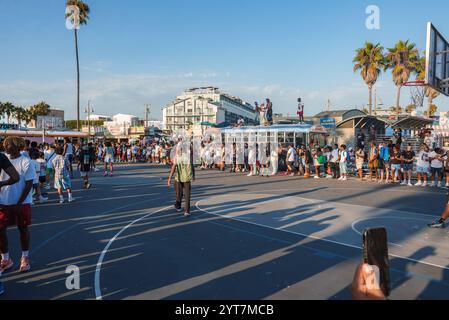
(15, 202)
(13, 177)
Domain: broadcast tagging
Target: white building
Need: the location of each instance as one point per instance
(97, 117)
(120, 125)
(206, 104)
(155, 123)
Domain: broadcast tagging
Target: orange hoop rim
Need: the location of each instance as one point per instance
(416, 83)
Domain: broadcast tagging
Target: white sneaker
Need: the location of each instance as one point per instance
(340, 179)
(432, 184)
(250, 175)
(447, 185)
(440, 185)
(71, 200)
(316, 177)
(61, 200)
(344, 179)
(418, 184)
(404, 183)
(424, 184)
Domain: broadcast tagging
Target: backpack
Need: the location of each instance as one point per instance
(322, 159)
(348, 156)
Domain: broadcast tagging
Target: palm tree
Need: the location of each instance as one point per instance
(83, 17)
(2, 109)
(403, 59)
(20, 114)
(370, 60)
(40, 109)
(8, 109)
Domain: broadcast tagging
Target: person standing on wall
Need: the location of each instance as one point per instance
(269, 112)
(300, 111)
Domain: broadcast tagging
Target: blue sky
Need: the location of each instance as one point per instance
(147, 51)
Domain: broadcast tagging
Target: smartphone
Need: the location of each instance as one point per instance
(375, 252)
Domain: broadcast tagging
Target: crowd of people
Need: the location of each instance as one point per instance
(383, 163)
(28, 170)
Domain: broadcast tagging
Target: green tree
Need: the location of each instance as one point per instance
(71, 124)
(403, 59)
(83, 17)
(22, 115)
(40, 109)
(370, 60)
(7, 110)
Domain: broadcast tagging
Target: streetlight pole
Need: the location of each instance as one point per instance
(89, 110)
(147, 112)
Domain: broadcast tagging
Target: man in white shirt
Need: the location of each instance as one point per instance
(343, 163)
(15, 203)
(436, 167)
(334, 162)
(291, 160)
(422, 165)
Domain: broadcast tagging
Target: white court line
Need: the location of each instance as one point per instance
(324, 201)
(313, 237)
(365, 189)
(98, 294)
(374, 218)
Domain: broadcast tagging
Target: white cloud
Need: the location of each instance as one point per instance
(128, 93)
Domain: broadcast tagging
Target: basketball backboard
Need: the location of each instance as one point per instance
(437, 60)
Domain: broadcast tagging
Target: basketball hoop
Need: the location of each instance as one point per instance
(416, 83)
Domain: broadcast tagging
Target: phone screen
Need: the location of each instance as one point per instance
(375, 249)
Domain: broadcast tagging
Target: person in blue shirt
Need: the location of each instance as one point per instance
(384, 162)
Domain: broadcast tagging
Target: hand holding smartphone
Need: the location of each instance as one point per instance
(375, 252)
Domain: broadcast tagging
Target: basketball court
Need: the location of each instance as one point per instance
(248, 238)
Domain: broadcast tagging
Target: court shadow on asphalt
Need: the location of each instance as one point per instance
(243, 245)
(214, 257)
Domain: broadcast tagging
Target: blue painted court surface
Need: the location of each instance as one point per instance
(248, 238)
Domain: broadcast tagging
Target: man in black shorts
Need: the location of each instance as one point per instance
(85, 164)
(440, 223)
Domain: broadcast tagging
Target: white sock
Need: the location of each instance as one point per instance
(5, 256)
(25, 254)
(70, 195)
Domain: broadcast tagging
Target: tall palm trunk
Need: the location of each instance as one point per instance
(370, 88)
(77, 83)
(398, 100)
